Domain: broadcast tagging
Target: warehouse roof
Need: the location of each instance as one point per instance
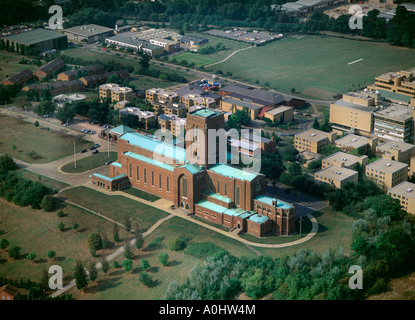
(34, 36)
(88, 30)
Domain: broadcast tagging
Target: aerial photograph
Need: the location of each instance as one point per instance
(207, 157)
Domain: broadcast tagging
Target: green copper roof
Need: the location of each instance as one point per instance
(192, 168)
(232, 172)
(122, 129)
(258, 218)
(98, 175)
(116, 164)
(211, 206)
(217, 196)
(268, 200)
(156, 146)
(149, 160)
(205, 113)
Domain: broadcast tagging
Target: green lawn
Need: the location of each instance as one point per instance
(48, 182)
(36, 231)
(9, 65)
(317, 66)
(91, 162)
(141, 194)
(144, 82)
(48, 145)
(115, 207)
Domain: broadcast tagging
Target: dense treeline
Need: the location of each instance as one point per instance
(382, 245)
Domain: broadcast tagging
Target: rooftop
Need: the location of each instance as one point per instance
(98, 175)
(258, 218)
(217, 196)
(312, 134)
(242, 103)
(34, 36)
(121, 129)
(269, 200)
(395, 112)
(386, 165)
(352, 105)
(88, 30)
(405, 189)
(336, 173)
(279, 110)
(149, 161)
(394, 145)
(353, 141)
(205, 113)
(232, 172)
(342, 159)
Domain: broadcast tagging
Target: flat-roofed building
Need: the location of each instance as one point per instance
(313, 140)
(405, 193)
(280, 114)
(228, 104)
(147, 118)
(136, 45)
(387, 173)
(266, 145)
(398, 151)
(192, 43)
(394, 123)
(88, 33)
(169, 45)
(115, 92)
(40, 40)
(156, 94)
(344, 160)
(352, 141)
(400, 82)
(18, 78)
(171, 123)
(336, 176)
(191, 99)
(167, 107)
(353, 114)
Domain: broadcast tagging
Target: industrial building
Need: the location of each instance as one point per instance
(89, 33)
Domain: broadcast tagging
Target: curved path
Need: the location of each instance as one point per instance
(215, 63)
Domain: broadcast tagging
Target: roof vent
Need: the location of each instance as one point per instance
(409, 190)
(354, 140)
(313, 134)
(388, 164)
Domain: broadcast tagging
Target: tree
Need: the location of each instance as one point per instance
(145, 279)
(65, 113)
(105, 265)
(127, 222)
(316, 124)
(144, 62)
(295, 169)
(48, 203)
(7, 163)
(145, 264)
(60, 213)
(75, 226)
(115, 233)
(14, 252)
(105, 241)
(4, 243)
(94, 240)
(36, 123)
(61, 226)
(81, 278)
(51, 254)
(44, 108)
(139, 240)
(329, 149)
(127, 252)
(31, 256)
(164, 258)
(93, 272)
(127, 265)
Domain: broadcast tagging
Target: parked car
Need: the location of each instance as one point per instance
(92, 148)
(83, 150)
(97, 145)
(95, 151)
(108, 162)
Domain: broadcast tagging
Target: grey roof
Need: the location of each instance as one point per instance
(244, 104)
(133, 41)
(196, 40)
(20, 75)
(88, 30)
(34, 36)
(347, 104)
(52, 65)
(190, 89)
(254, 93)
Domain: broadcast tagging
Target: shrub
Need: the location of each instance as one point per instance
(48, 203)
(59, 213)
(51, 254)
(4, 243)
(14, 252)
(202, 250)
(146, 279)
(94, 240)
(179, 243)
(61, 226)
(164, 258)
(155, 243)
(31, 256)
(127, 265)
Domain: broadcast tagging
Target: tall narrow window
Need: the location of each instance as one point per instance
(138, 173)
(152, 178)
(226, 191)
(145, 176)
(184, 187)
(168, 184)
(237, 196)
(217, 187)
(160, 181)
(131, 173)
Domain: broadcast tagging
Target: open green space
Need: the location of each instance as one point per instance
(91, 162)
(115, 207)
(144, 82)
(35, 144)
(141, 194)
(202, 60)
(317, 66)
(334, 232)
(9, 65)
(48, 182)
(36, 231)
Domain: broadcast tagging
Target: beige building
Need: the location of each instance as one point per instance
(172, 123)
(147, 118)
(394, 123)
(402, 82)
(313, 140)
(387, 173)
(232, 105)
(192, 99)
(405, 193)
(354, 113)
(114, 92)
(336, 176)
(398, 151)
(280, 114)
(352, 141)
(156, 94)
(344, 160)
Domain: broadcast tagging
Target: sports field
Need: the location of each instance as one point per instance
(316, 66)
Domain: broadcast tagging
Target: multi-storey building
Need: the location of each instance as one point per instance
(398, 151)
(336, 176)
(217, 192)
(172, 123)
(147, 118)
(394, 123)
(115, 92)
(344, 160)
(387, 173)
(400, 82)
(313, 140)
(354, 142)
(155, 94)
(405, 193)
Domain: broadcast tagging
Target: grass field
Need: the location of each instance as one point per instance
(317, 66)
(9, 65)
(141, 194)
(49, 145)
(36, 231)
(48, 182)
(115, 207)
(89, 163)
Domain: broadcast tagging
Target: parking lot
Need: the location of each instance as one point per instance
(240, 34)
